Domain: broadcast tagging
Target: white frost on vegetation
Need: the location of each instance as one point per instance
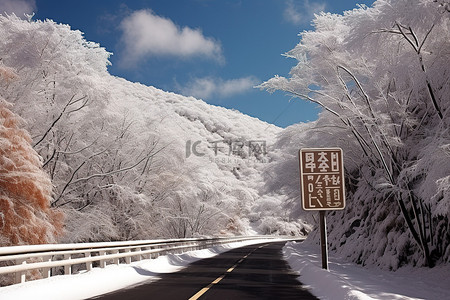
(130, 161)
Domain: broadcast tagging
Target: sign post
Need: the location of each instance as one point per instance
(322, 186)
(323, 239)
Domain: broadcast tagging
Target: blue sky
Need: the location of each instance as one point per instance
(215, 50)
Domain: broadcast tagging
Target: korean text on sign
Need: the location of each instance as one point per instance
(322, 179)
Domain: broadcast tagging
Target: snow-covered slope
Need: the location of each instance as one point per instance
(381, 75)
(130, 161)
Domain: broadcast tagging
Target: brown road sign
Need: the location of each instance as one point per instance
(322, 178)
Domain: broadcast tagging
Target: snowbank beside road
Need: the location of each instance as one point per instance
(348, 281)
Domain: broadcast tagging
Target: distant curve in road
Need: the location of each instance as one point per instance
(251, 272)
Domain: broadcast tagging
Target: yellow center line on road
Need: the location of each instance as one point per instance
(231, 269)
(218, 279)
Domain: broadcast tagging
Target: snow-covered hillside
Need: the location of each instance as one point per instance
(381, 75)
(129, 161)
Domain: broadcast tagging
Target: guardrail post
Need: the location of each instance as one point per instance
(20, 276)
(102, 261)
(67, 267)
(46, 272)
(88, 263)
(140, 256)
(116, 260)
(127, 258)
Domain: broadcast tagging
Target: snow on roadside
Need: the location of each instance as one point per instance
(113, 277)
(353, 282)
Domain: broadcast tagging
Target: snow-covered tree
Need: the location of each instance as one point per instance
(381, 75)
(25, 189)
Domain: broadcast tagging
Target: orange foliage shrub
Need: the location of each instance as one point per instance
(25, 188)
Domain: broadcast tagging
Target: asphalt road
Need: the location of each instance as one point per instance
(250, 272)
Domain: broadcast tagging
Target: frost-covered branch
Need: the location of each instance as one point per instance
(71, 102)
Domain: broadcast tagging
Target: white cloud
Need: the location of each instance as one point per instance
(300, 12)
(145, 34)
(18, 7)
(210, 87)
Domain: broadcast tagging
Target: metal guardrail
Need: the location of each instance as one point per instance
(50, 259)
